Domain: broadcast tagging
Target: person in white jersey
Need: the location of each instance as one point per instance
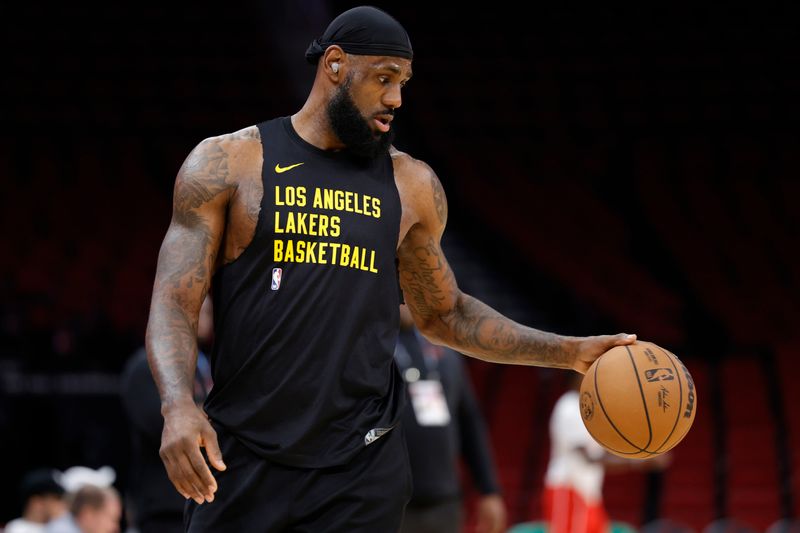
(573, 485)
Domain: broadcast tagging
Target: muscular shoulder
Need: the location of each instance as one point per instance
(411, 172)
(240, 150)
(223, 160)
(419, 186)
(216, 167)
(238, 140)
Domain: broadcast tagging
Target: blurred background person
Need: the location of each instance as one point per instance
(76, 477)
(153, 504)
(573, 486)
(42, 498)
(443, 425)
(92, 509)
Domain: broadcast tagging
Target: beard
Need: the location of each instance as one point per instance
(353, 129)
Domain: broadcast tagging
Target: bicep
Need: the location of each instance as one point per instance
(189, 249)
(429, 286)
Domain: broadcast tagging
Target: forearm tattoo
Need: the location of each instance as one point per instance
(465, 323)
(172, 350)
(460, 321)
(478, 329)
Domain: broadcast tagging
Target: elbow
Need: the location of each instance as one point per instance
(431, 329)
(436, 324)
(436, 328)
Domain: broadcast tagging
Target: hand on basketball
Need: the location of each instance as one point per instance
(186, 430)
(590, 348)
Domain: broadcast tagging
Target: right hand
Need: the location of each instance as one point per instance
(186, 430)
(590, 348)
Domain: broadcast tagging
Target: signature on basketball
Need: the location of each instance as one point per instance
(663, 397)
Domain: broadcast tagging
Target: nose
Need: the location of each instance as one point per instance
(392, 97)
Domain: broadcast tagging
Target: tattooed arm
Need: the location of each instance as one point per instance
(448, 316)
(185, 265)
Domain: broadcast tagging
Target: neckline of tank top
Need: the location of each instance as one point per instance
(335, 155)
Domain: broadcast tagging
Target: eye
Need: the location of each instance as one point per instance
(383, 79)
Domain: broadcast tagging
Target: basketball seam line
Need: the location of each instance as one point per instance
(644, 400)
(680, 397)
(600, 401)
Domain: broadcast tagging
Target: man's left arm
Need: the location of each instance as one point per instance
(447, 316)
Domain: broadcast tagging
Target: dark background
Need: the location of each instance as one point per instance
(606, 169)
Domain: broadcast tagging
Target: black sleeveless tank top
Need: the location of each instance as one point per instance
(306, 318)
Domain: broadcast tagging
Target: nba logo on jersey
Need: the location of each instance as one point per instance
(276, 278)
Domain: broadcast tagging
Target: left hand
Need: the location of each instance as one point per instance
(491, 514)
(590, 348)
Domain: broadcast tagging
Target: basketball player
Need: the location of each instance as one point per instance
(572, 499)
(573, 485)
(301, 227)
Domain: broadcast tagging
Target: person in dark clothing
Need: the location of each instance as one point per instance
(442, 425)
(153, 505)
(301, 227)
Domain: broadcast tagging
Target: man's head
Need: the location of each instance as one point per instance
(97, 509)
(42, 496)
(363, 60)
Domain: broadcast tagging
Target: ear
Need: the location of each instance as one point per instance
(333, 62)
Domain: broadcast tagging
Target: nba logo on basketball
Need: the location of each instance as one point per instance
(276, 278)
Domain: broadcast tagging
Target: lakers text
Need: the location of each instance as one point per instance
(296, 222)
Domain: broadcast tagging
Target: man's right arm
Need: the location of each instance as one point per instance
(186, 263)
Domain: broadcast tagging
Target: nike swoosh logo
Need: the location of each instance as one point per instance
(279, 169)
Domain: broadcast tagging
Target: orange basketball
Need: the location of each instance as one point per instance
(638, 401)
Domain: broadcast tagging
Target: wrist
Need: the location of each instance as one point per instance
(175, 405)
(571, 347)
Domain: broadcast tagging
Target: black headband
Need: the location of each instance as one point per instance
(363, 30)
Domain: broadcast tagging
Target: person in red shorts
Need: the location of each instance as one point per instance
(573, 485)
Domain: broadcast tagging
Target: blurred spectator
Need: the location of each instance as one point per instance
(153, 504)
(75, 477)
(42, 499)
(442, 425)
(573, 495)
(92, 510)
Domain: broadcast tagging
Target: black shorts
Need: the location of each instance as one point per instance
(369, 494)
